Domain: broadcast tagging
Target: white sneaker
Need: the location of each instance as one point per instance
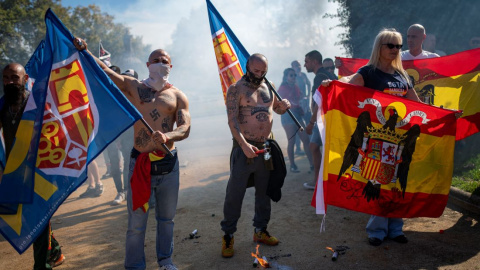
(119, 198)
(308, 186)
(168, 267)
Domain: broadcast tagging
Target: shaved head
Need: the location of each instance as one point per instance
(257, 64)
(14, 73)
(417, 27)
(15, 67)
(258, 57)
(158, 53)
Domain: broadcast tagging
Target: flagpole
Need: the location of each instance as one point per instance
(151, 130)
(280, 98)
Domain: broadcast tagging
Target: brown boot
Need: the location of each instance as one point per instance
(227, 246)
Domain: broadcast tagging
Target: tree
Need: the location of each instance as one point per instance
(451, 21)
(22, 27)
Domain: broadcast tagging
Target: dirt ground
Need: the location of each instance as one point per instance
(92, 232)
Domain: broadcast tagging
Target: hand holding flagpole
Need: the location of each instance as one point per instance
(280, 98)
(151, 130)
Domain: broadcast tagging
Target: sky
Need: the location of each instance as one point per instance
(282, 30)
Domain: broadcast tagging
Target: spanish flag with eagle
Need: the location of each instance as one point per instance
(383, 155)
(450, 81)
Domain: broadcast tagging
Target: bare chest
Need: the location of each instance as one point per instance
(157, 108)
(256, 97)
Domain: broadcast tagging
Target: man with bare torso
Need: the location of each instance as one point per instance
(250, 107)
(162, 105)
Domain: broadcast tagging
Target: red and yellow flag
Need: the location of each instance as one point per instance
(383, 155)
(450, 81)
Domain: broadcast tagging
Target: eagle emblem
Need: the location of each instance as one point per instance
(380, 155)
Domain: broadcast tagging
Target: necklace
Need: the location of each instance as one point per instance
(14, 116)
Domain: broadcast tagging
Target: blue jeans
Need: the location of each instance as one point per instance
(381, 227)
(165, 188)
(315, 137)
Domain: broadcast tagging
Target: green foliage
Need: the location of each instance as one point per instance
(467, 185)
(453, 22)
(22, 27)
(466, 174)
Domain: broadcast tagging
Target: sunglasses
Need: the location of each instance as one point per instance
(292, 75)
(391, 46)
(332, 67)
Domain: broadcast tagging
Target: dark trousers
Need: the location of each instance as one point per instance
(240, 171)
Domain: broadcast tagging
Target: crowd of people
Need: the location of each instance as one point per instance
(250, 105)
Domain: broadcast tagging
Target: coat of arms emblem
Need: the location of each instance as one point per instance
(380, 155)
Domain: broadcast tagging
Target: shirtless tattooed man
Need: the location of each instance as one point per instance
(250, 107)
(162, 106)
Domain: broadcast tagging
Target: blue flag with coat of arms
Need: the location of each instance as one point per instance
(73, 112)
(230, 54)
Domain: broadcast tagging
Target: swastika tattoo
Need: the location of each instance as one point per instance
(154, 114)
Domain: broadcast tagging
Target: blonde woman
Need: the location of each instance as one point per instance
(384, 72)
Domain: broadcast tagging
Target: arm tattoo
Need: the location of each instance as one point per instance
(145, 94)
(155, 114)
(166, 124)
(278, 110)
(143, 139)
(232, 107)
(180, 120)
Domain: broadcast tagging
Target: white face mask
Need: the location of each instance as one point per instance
(158, 76)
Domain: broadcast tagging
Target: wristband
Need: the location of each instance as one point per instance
(313, 123)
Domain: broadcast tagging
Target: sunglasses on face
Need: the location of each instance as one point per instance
(332, 68)
(292, 75)
(391, 46)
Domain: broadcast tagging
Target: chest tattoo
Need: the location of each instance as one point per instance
(155, 114)
(241, 118)
(251, 86)
(145, 94)
(262, 117)
(259, 109)
(266, 96)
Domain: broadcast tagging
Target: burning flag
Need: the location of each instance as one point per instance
(262, 261)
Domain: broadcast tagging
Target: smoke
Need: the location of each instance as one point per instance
(282, 30)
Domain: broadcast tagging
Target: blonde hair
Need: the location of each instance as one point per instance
(387, 35)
